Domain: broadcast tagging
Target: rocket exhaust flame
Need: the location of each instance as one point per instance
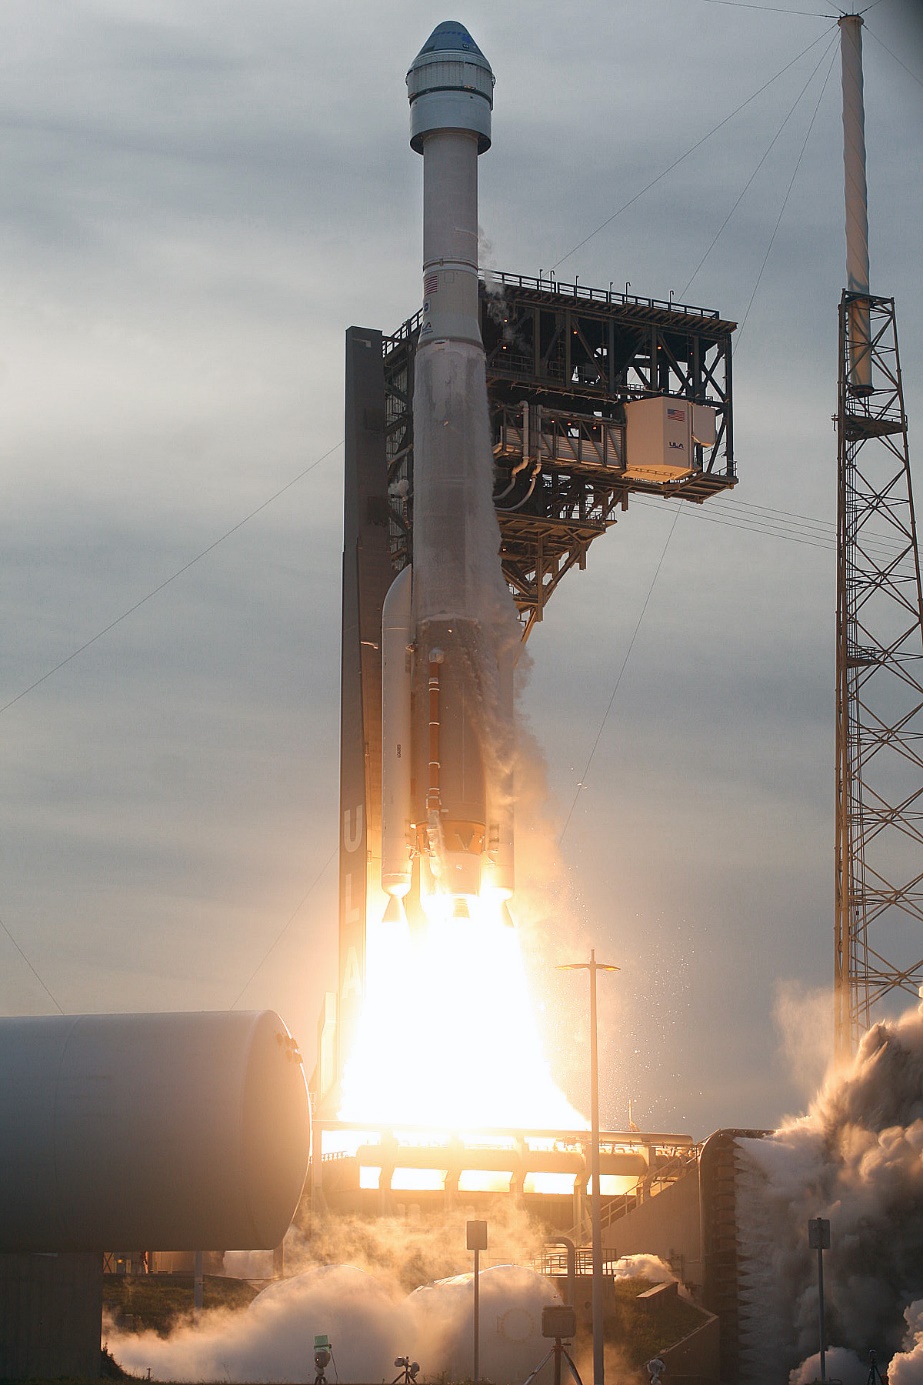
(448, 1038)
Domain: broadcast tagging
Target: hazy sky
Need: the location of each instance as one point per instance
(197, 201)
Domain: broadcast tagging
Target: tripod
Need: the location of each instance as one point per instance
(558, 1351)
(874, 1375)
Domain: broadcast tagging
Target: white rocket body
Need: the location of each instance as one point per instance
(449, 643)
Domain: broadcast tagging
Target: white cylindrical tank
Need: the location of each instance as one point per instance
(187, 1131)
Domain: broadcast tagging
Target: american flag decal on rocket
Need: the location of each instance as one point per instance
(430, 285)
(677, 415)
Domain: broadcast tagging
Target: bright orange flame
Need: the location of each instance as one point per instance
(448, 1037)
(559, 1183)
(484, 1181)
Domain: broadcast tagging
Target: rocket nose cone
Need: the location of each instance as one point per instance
(450, 41)
(450, 34)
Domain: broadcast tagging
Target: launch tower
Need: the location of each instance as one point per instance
(879, 637)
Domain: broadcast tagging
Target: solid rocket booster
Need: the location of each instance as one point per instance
(449, 630)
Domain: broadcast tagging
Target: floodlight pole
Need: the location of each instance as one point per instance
(477, 1314)
(477, 1241)
(819, 1240)
(599, 1369)
(197, 1286)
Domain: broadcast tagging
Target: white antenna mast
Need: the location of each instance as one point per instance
(857, 209)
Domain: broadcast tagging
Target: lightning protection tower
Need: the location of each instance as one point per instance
(879, 643)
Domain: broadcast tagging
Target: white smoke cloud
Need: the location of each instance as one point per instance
(248, 1264)
(649, 1267)
(274, 1337)
(369, 1325)
(840, 1364)
(407, 1253)
(511, 1301)
(804, 1020)
(906, 1366)
(856, 1158)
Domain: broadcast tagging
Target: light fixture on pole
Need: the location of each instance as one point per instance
(477, 1241)
(599, 1370)
(819, 1240)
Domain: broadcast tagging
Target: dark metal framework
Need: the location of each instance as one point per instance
(725, 1256)
(562, 362)
(340, 1149)
(879, 724)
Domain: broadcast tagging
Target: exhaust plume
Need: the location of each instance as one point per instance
(856, 1158)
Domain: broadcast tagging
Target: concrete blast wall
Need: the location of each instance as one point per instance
(668, 1225)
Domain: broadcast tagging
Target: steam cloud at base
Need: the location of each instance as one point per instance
(857, 1159)
(369, 1324)
(373, 1310)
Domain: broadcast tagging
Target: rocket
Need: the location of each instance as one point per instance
(449, 629)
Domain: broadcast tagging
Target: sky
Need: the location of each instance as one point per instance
(198, 200)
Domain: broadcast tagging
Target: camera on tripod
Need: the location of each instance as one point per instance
(323, 1352)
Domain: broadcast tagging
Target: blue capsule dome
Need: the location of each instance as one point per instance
(450, 34)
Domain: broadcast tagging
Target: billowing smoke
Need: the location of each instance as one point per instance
(408, 1253)
(248, 1264)
(841, 1365)
(369, 1324)
(802, 1017)
(354, 1280)
(647, 1267)
(511, 1301)
(906, 1367)
(372, 1310)
(856, 1158)
(273, 1339)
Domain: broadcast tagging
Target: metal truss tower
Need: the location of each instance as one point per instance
(879, 666)
(879, 641)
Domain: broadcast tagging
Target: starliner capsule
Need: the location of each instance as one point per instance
(450, 633)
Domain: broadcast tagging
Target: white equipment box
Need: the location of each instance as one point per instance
(660, 435)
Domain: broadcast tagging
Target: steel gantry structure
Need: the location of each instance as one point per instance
(879, 667)
(562, 362)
